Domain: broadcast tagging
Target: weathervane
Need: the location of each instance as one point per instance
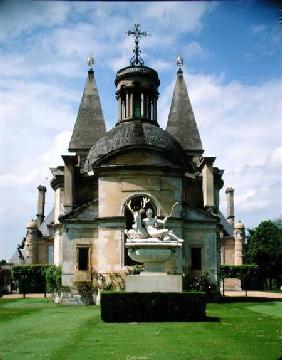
(136, 59)
(90, 62)
(180, 61)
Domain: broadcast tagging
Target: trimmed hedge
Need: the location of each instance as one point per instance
(248, 274)
(36, 278)
(238, 271)
(146, 307)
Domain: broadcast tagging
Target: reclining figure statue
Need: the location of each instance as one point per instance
(150, 232)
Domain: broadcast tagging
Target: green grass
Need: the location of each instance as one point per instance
(38, 329)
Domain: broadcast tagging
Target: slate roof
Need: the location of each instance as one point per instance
(135, 134)
(226, 226)
(90, 124)
(43, 228)
(181, 121)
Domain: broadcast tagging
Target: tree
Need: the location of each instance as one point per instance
(264, 248)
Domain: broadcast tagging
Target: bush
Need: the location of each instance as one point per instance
(53, 278)
(86, 290)
(248, 274)
(135, 269)
(35, 278)
(137, 307)
(200, 283)
(113, 281)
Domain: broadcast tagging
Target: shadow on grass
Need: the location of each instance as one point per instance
(246, 299)
(211, 319)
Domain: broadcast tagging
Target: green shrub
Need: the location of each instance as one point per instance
(53, 278)
(113, 281)
(135, 269)
(86, 290)
(248, 274)
(145, 307)
(200, 283)
(35, 278)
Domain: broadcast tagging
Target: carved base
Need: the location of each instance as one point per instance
(153, 282)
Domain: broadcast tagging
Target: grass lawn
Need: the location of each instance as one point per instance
(38, 329)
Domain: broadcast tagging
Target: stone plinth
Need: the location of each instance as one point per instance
(152, 252)
(153, 282)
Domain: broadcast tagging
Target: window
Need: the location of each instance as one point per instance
(51, 254)
(82, 258)
(196, 259)
(137, 106)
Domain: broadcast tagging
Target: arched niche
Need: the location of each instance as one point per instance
(135, 202)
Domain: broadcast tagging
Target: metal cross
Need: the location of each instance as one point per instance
(90, 62)
(137, 33)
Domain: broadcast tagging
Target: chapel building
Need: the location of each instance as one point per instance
(137, 159)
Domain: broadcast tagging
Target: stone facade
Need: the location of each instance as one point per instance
(86, 228)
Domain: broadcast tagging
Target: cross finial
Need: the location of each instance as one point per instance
(137, 33)
(90, 62)
(180, 61)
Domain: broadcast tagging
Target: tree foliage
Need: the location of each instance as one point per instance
(264, 248)
(36, 278)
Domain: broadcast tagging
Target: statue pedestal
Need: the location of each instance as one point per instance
(153, 282)
(153, 253)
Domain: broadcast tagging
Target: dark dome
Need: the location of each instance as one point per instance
(135, 134)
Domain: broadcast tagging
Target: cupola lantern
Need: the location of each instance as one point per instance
(137, 87)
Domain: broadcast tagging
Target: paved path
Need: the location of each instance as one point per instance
(18, 296)
(252, 293)
(261, 294)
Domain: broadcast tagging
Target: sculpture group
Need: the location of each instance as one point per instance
(148, 229)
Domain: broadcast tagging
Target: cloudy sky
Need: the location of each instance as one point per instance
(232, 54)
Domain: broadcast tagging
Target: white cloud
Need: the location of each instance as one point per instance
(194, 49)
(240, 124)
(43, 63)
(14, 15)
(258, 28)
(178, 16)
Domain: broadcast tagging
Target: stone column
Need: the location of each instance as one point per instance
(131, 105)
(239, 235)
(230, 205)
(148, 107)
(126, 104)
(142, 105)
(40, 204)
(68, 182)
(208, 182)
(31, 242)
(119, 108)
(155, 109)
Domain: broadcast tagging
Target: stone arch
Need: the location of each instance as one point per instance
(136, 199)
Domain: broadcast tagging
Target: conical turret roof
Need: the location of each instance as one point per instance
(90, 124)
(181, 121)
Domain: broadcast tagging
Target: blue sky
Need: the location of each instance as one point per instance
(232, 52)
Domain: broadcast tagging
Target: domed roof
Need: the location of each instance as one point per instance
(239, 225)
(31, 225)
(135, 134)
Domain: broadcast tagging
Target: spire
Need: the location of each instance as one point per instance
(90, 124)
(181, 121)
